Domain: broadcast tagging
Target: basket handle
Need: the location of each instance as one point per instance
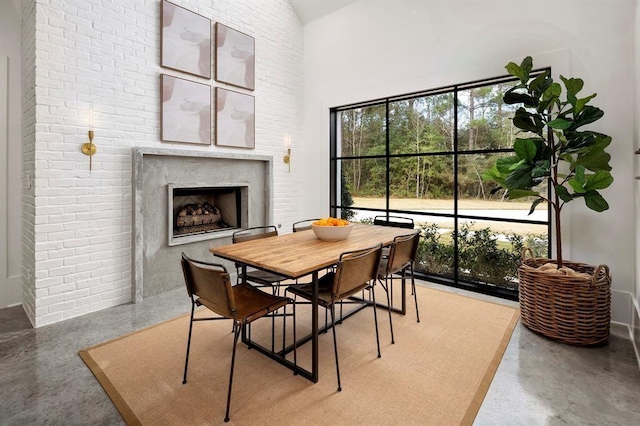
(596, 273)
(524, 254)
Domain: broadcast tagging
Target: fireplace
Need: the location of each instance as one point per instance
(199, 212)
(156, 173)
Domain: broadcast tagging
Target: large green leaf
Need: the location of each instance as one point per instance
(601, 141)
(535, 204)
(595, 160)
(573, 85)
(578, 140)
(494, 175)
(514, 194)
(560, 123)
(521, 71)
(588, 115)
(599, 180)
(572, 99)
(579, 170)
(553, 91)
(520, 178)
(543, 105)
(525, 149)
(595, 201)
(563, 193)
(580, 103)
(525, 123)
(541, 168)
(538, 85)
(520, 98)
(504, 165)
(578, 187)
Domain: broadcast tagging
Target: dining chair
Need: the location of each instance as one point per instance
(395, 221)
(402, 255)
(257, 276)
(356, 270)
(209, 285)
(303, 225)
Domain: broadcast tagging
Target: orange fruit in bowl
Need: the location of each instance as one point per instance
(331, 229)
(331, 221)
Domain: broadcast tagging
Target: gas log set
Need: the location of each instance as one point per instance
(197, 218)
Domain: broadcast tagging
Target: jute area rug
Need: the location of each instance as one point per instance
(437, 372)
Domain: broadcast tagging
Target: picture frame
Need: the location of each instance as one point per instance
(185, 42)
(235, 57)
(185, 110)
(235, 119)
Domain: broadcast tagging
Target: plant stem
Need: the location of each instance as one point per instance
(556, 206)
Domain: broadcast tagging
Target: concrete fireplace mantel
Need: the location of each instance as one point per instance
(156, 264)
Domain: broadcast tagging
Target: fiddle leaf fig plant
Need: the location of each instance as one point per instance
(555, 147)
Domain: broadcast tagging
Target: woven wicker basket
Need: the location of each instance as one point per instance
(570, 309)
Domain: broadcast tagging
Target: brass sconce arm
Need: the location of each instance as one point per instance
(287, 158)
(89, 148)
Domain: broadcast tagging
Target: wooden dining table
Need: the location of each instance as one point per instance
(300, 254)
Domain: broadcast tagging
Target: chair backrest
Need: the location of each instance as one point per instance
(303, 225)
(395, 221)
(209, 282)
(355, 270)
(403, 252)
(254, 233)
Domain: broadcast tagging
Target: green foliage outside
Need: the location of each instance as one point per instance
(346, 200)
(426, 125)
(482, 257)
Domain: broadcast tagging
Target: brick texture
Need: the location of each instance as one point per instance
(77, 224)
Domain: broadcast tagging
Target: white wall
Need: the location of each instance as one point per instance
(637, 144)
(375, 48)
(10, 159)
(108, 54)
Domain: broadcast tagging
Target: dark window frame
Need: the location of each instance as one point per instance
(334, 192)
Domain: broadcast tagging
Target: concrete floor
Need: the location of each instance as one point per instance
(539, 382)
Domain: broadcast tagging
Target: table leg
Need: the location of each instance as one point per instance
(314, 328)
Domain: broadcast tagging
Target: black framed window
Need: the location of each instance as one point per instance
(422, 155)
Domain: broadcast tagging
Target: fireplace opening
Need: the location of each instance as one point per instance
(203, 210)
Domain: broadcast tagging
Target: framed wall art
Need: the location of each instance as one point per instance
(235, 57)
(235, 119)
(186, 41)
(186, 111)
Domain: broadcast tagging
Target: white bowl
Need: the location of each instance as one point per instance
(332, 233)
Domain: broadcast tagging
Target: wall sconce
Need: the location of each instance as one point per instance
(287, 157)
(89, 148)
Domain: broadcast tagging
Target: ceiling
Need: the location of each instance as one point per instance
(310, 10)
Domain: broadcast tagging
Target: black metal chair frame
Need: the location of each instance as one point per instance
(394, 221)
(386, 276)
(335, 297)
(238, 323)
(302, 225)
(257, 276)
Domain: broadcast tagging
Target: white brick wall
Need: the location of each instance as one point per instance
(77, 224)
